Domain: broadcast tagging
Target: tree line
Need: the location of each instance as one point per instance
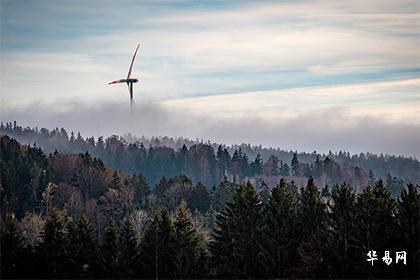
(87, 220)
(210, 163)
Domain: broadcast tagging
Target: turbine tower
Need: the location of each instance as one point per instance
(129, 80)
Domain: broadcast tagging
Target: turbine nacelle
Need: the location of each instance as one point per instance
(124, 81)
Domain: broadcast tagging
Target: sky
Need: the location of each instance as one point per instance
(300, 75)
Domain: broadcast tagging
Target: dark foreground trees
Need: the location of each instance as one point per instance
(60, 220)
(291, 235)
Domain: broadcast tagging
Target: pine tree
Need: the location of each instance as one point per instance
(157, 247)
(11, 247)
(317, 167)
(312, 219)
(200, 198)
(236, 248)
(188, 245)
(54, 245)
(87, 253)
(129, 250)
(257, 165)
(110, 251)
(280, 214)
(285, 170)
(295, 165)
(313, 210)
(342, 220)
(375, 224)
(72, 248)
(409, 229)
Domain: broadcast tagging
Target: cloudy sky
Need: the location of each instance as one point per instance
(306, 75)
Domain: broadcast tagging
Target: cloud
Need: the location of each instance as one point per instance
(196, 50)
(322, 130)
(397, 100)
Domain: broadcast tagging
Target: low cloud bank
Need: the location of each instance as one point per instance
(328, 129)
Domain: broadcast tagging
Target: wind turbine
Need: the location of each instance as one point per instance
(129, 80)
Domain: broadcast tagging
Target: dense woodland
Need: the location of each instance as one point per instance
(112, 209)
(211, 163)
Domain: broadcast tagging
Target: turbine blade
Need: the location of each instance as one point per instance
(130, 89)
(132, 62)
(116, 82)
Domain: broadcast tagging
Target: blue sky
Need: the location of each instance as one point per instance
(219, 61)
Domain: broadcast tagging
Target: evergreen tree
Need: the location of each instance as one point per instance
(236, 249)
(141, 189)
(375, 225)
(129, 250)
(312, 214)
(11, 248)
(257, 165)
(295, 165)
(54, 245)
(221, 194)
(409, 229)
(342, 220)
(264, 192)
(200, 198)
(312, 218)
(87, 253)
(109, 251)
(285, 171)
(157, 248)
(280, 231)
(188, 245)
(372, 178)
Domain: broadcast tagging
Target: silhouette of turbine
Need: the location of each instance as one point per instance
(129, 80)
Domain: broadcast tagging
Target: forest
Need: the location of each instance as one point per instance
(210, 163)
(74, 207)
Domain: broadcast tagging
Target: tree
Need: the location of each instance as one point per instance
(87, 251)
(271, 167)
(280, 231)
(129, 250)
(342, 220)
(394, 185)
(200, 198)
(375, 224)
(285, 171)
(221, 194)
(11, 248)
(236, 248)
(312, 218)
(317, 167)
(409, 225)
(55, 243)
(141, 189)
(188, 245)
(31, 228)
(256, 166)
(157, 249)
(223, 161)
(109, 251)
(295, 165)
(312, 214)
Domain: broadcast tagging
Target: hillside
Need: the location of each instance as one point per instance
(210, 163)
(90, 220)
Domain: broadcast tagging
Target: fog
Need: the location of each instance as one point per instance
(323, 130)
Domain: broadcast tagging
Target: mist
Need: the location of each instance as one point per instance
(323, 130)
